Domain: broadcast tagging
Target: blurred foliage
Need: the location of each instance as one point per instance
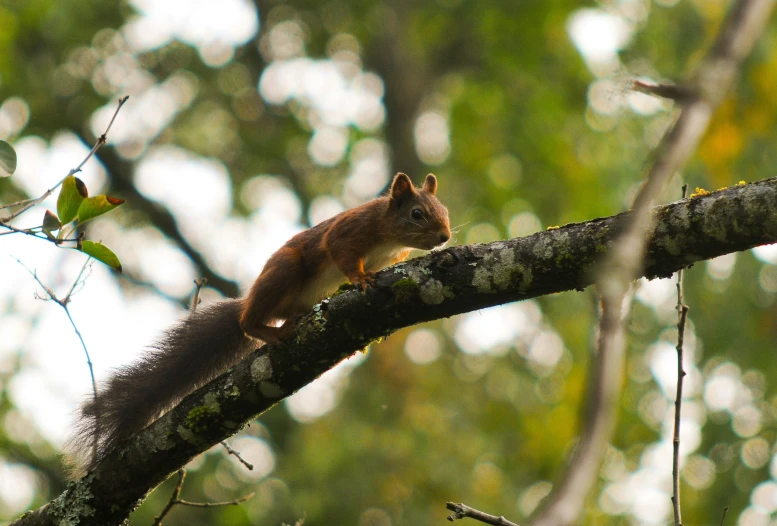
(529, 134)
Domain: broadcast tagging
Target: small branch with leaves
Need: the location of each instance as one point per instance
(74, 206)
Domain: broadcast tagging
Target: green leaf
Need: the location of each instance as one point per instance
(7, 159)
(72, 193)
(50, 223)
(101, 253)
(92, 207)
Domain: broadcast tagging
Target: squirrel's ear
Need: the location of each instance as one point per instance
(401, 187)
(430, 185)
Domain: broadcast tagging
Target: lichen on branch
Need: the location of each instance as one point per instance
(441, 284)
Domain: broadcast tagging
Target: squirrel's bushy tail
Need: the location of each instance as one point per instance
(191, 353)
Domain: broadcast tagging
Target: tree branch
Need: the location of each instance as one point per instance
(441, 284)
(682, 317)
(462, 511)
(706, 89)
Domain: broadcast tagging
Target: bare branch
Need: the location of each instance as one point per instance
(174, 499)
(231, 451)
(682, 315)
(462, 511)
(604, 387)
(199, 283)
(63, 302)
(665, 91)
(79, 282)
(233, 502)
(710, 83)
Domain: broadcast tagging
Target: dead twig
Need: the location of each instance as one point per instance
(174, 499)
(231, 451)
(682, 315)
(199, 283)
(673, 92)
(64, 302)
(462, 511)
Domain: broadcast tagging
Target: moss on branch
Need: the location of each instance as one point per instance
(441, 284)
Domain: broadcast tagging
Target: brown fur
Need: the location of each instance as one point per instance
(352, 245)
(382, 228)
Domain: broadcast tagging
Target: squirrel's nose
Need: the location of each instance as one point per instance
(444, 237)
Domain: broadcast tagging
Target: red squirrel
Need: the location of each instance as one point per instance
(352, 246)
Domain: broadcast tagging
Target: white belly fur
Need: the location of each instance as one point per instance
(381, 257)
(321, 287)
(331, 278)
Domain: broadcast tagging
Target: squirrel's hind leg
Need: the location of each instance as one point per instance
(271, 334)
(273, 297)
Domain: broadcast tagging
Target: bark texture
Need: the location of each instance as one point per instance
(441, 284)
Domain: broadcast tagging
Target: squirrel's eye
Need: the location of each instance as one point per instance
(417, 214)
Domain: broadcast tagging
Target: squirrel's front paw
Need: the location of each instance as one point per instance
(365, 281)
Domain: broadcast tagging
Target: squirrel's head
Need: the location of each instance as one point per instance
(420, 219)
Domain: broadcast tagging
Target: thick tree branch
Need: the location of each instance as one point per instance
(442, 284)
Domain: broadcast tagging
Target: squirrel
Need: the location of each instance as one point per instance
(352, 245)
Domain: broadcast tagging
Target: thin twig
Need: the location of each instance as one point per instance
(231, 451)
(234, 502)
(682, 316)
(63, 302)
(173, 498)
(738, 33)
(29, 203)
(36, 232)
(27, 231)
(665, 91)
(78, 281)
(462, 511)
(199, 283)
(725, 510)
(177, 492)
